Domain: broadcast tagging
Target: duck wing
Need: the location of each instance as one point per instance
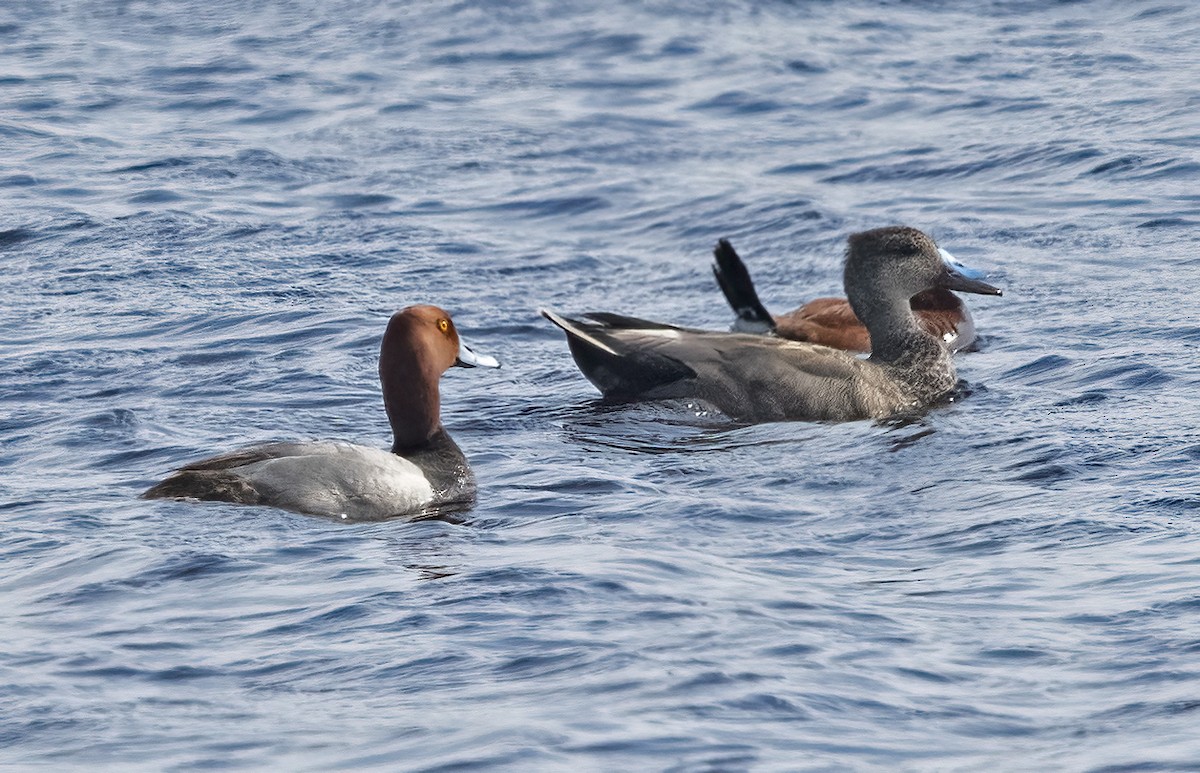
(623, 357)
(245, 456)
(219, 478)
(318, 477)
(222, 478)
(751, 377)
(772, 379)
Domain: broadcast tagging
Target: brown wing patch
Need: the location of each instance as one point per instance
(825, 321)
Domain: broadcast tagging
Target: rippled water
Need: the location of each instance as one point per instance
(209, 212)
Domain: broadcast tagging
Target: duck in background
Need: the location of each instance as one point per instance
(425, 467)
(831, 321)
(767, 378)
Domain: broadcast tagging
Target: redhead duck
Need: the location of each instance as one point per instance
(425, 468)
(831, 321)
(762, 378)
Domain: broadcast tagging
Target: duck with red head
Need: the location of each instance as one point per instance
(424, 469)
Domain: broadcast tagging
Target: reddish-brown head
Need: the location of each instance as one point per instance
(420, 344)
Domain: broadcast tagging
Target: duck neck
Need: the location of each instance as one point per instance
(893, 328)
(913, 356)
(412, 400)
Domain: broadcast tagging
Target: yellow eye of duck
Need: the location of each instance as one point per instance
(443, 325)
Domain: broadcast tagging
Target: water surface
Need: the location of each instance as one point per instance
(210, 210)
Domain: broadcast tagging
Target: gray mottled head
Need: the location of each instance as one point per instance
(885, 267)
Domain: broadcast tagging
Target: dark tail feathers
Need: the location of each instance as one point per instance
(739, 290)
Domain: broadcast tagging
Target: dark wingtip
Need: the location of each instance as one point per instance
(210, 485)
(553, 316)
(170, 488)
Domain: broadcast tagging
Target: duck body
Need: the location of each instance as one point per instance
(328, 477)
(832, 321)
(767, 378)
(424, 469)
(746, 376)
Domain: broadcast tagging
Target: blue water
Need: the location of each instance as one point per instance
(209, 209)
